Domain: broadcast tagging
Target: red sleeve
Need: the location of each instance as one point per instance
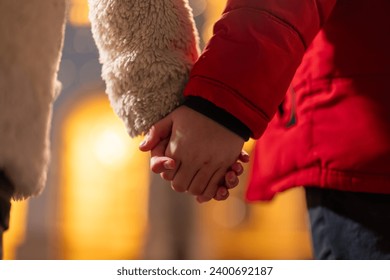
(256, 48)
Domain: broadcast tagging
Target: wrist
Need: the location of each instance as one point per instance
(219, 115)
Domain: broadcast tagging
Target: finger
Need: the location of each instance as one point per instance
(162, 164)
(170, 173)
(200, 181)
(244, 156)
(231, 180)
(222, 194)
(183, 178)
(202, 199)
(159, 162)
(216, 180)
(237, 168)
(159, 131)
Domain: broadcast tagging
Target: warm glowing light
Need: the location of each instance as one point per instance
(212, 14)
(104, 185)
(78, 12)
(109, 147)
(15, 235)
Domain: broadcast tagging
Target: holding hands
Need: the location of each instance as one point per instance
(196, 154)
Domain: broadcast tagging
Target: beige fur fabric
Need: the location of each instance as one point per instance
(31, 37)
(147, 48)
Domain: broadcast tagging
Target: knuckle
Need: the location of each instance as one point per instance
(195, 191)
(178, 187)
(155, 169)
(207, 196)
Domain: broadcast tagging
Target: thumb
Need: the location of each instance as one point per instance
(158, 132)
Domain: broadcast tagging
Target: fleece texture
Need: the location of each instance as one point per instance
(31, 35)
(147, 49)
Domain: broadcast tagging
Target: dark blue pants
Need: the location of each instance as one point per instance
(348, 225)
(6, 191)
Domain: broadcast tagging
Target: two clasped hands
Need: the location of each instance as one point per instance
(196, 154)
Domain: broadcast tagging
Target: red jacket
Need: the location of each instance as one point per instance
(332, 129)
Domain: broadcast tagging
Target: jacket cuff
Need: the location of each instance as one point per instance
(219, 115)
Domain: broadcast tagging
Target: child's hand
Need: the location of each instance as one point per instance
(160, 164)
(198, 154)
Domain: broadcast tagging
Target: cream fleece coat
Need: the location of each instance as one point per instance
(31, 37)
(147, 48)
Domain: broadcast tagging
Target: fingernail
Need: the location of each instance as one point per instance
(142, 143)
(146, 137)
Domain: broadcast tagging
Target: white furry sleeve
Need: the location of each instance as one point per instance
(31, 37)
(147, 48)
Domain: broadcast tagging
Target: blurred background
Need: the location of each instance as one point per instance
(101, 201)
